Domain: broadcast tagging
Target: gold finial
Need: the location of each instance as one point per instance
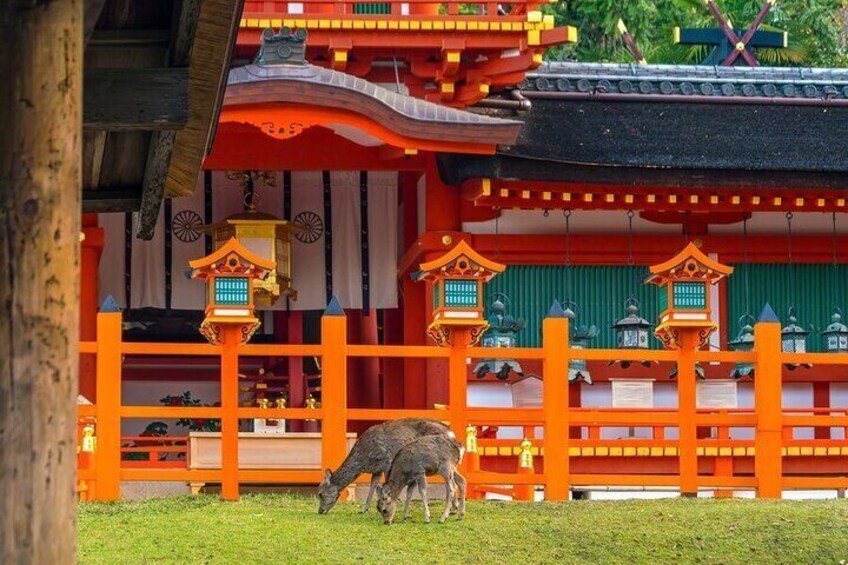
(281, 402)
(526, 458)
(311, 404)
(622, 29)
(263, 402)
(89, 442)
(471, 439)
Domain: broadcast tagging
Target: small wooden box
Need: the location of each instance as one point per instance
(261, 451)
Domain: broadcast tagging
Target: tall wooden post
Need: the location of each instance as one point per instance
(555, 401)
(768, 462)
(40, 180)
(229, 412)
(333, 386)
(686, 406)
(107, 455)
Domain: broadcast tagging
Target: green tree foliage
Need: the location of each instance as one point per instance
(817, 29)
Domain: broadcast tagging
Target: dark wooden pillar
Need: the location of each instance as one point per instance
(40, 162)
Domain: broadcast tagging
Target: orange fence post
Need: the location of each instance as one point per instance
(768, 462)
(108, 408)
(686, 409)
(555, 404)
(229, 412)
(334, 386)
(458, 381)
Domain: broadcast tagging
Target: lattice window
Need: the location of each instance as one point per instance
(460, 293)
(374, 9)
(690, 295)
(232, 291)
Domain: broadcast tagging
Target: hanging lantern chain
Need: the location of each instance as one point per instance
(567, 214)
(747, 266)
(791, 269)
(833, 251)
(630, 261)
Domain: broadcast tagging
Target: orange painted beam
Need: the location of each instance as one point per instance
(271, 118)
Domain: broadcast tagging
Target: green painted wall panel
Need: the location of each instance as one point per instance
(377, 8)
(817, 289)
(600, 291)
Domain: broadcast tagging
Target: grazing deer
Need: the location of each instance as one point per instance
(427, 456)
(373, 453)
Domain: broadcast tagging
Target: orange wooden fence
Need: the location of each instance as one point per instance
(770, 463)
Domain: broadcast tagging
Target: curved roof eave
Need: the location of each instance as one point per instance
(408, 116)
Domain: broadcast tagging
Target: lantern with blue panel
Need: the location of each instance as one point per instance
(683, 284)
(229, 273)
(456, 281)
(503, 328)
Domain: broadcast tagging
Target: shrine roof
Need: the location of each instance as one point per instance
(607, 126)
(770, 84)
(318, 86)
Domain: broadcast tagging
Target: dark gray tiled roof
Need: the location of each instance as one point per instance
(687, 80)
(408, 106)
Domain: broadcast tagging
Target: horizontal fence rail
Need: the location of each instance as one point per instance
(687, 448)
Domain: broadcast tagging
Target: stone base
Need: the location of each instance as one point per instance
(141, 490)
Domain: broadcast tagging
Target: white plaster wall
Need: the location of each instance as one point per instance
(599, 395)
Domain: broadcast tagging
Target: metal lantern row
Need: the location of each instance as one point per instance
(503, 328)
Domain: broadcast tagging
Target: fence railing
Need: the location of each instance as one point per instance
(570, 454)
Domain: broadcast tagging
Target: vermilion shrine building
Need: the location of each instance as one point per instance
(392, 132)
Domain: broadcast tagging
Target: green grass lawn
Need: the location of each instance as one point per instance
(286, 529)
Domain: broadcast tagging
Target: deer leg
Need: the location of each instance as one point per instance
(408, 499)
(422, 490)
(450, 493)
(375, 482)
(461, 483)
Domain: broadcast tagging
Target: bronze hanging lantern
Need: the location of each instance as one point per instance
(632, 331)
(743, 342)
(579, 338)
(502, 331)
(836, 334)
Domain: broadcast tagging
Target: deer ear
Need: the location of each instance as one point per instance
(327, 475)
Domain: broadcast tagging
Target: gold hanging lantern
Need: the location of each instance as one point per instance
(264, 235)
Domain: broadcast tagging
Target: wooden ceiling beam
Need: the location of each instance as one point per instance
(153, 185)
(162, 142)
(135, 99)
(119, 199)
